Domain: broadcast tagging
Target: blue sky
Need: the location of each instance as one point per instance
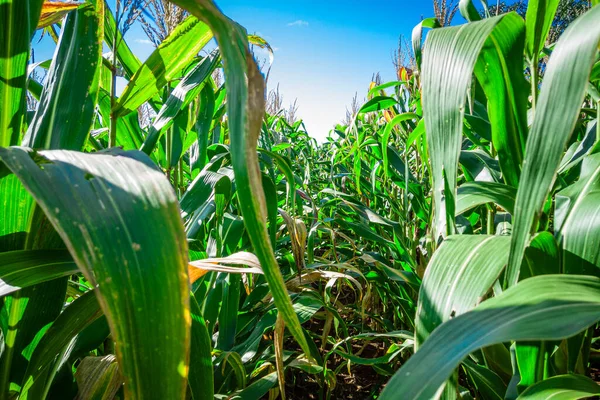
(325, 50)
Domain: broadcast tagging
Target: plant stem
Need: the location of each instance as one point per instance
(534, 83)
(169, 150)
(112, 132)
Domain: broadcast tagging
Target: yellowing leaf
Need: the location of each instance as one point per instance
(54, 11)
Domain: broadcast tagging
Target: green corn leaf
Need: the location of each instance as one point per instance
(202, 127)
(16, 209)
(118, 247)
(539, 17)
(577, 217)
(229, 312)
(479, 166)
(166, 63)
(201, 380)
(557, 111)
(562, 387)
(378, 103)
(125, 56)
(257, 389)
(417, 37)
(548, 307)
(473, 194)
(81, 313)
(468, 10)
(499, 69)
(542, 256)
(459, 274)
(444, 96)
(201, 189)
(29, 312)
(18, 21)
(183, 94)
(65, 113)
(20, 269)
(488, 384)
(245, 109)
(285, 166)
(387, 133)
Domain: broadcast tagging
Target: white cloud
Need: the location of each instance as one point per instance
(143, 41)
(299, 22)
(275, 48)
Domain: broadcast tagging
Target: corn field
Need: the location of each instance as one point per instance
(443, 243)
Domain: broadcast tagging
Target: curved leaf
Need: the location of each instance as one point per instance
(183, 94)
(19, 20)
(115, 247)
(562, 387)
(444, 96)
(473, 194)
(65, 112)
(245, 109)
(19, 269)
(548, 307)
(557, 111)
(459, 274)
(164, 64)
(499, 69)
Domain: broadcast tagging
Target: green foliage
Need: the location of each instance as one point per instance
(442, 243)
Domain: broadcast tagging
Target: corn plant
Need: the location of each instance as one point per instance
(442, 243)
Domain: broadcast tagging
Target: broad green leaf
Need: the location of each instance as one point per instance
(557, 111)
(387, 133)
(23, 268)
(29, 313)
(115, 247)
(499, 70)
(202, 127)
(459, 274)
(542, 256)
(257, 389)
(164, 64)
(65, 112)
(383, 86)
(468, 10)
(577, 218)
(81, 313)
(245, 109)
(378, 103)
(183, 94)
(201, 189)
(285, 166)
(18, 21)
(562, 387)
(417, 37)
(16, 208)
(548, 307)
(479, 166)
(488, 384)
(228, 314)
(539, 17)
(201, 380)
(473, 194)
(444, 97)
